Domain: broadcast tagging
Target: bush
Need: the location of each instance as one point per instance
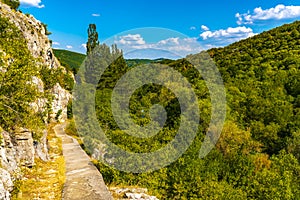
(14, 4)
(69, 110)
(46, 29)
(58, 114)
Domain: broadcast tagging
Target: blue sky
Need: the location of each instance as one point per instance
(180, 23)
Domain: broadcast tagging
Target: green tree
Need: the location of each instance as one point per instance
(92, 38)
(257, 154)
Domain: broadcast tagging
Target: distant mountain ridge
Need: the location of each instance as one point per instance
(73, 60)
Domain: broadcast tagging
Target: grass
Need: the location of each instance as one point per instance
(46, 179)
(72, 131)
(70, 60)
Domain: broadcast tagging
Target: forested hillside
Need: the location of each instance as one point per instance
(257, 155)
(263, 81)
(71, 60)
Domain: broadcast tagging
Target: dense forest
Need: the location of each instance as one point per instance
(257, 155)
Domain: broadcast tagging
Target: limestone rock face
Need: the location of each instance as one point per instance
(40, 47)
(6, 184)
(60, 102)
(27, 148)
(24, 147)
(39, 83)
(8, 164)
(131, 193)
(8, 153)
(41, 147)
(19, 147)
(35, 34)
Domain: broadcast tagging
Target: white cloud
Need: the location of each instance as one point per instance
(56, 43)
(237, 32)
(96, 15)
(32, 3)
(83, 46)
(279, 12)
(169, 41)
(69, 47)
(130, 39)
(204, 28)
(227, 36)
(173, 45)
(193, 28)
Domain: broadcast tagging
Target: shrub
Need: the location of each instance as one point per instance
(14, 4)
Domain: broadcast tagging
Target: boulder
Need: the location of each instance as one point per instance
(24, 147)
(41, 147)
(7, 153)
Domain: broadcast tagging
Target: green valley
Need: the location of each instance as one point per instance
(53, 100)
(71, 60)
(257, 155)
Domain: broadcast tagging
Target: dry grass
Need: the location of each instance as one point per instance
(46, 179)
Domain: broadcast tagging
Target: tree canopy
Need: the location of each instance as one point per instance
(257, 155)
(92, 38)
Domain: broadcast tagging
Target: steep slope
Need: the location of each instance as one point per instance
(69, 59)
(262, 75)
(257, 155)
(33, 92)
(34, 33)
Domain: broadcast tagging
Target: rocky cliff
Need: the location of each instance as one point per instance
(18, 145)
(40, 47)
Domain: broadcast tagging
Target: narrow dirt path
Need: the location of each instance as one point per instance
(83, 180)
